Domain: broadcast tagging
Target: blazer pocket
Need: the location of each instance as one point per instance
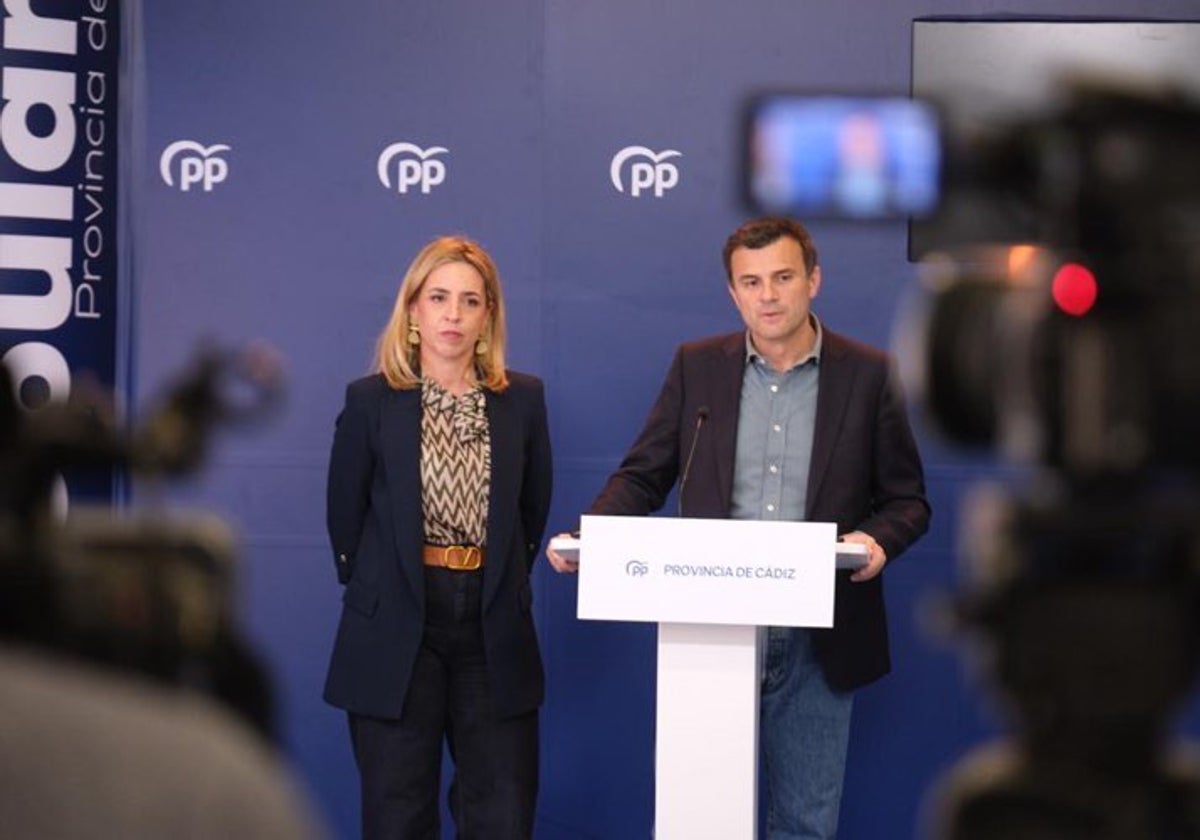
(360, 598)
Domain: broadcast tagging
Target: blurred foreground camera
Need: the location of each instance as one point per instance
(1079, 350)
(145, 591)
(1078, 356)
(1075, 353)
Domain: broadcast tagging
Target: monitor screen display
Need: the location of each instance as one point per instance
(843, 156)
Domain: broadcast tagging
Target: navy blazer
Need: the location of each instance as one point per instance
(377, 530)
(865, 474)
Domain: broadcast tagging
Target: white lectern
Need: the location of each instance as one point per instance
(710, 584)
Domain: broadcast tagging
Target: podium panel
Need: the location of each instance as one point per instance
(707, 571)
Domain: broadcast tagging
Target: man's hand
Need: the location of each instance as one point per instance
(561, 564)
(876, 556)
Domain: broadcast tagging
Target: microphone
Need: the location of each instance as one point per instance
(701, 416)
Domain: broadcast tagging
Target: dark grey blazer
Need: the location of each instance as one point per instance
(377, 528)
(866, 473)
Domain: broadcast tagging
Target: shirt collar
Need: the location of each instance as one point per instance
(435, 396)
(752, 354)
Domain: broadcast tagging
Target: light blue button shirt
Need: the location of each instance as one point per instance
(775, 435)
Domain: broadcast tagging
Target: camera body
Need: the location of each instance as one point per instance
(1077, 355)
(1077, 351)
(144, 591)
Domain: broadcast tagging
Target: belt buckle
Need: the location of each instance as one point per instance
(463, 558)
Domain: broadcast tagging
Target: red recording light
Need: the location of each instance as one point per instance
(1074, 289)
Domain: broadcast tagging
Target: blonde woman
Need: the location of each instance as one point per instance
(439, 488)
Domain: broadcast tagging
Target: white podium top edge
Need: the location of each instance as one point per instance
(849, 555)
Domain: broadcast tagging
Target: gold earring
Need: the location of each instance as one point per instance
(414, 336)
(481, 347)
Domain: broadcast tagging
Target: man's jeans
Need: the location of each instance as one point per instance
(804, 731)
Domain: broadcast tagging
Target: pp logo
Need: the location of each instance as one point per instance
(415, 167)
(648, 170)
(636, 568)
(200, 165)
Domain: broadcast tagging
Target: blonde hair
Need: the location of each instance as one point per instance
(398, 360)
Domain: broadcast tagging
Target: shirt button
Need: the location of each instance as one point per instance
(774, 389)
(770, 508)
(777, 427)
(774, 468)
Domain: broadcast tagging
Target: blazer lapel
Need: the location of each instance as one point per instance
(401, 437)
(504, 487)
(835, 382)
(726, 407)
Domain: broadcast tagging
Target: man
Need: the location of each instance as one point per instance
(789, 420)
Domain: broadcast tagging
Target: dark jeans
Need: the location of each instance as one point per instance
(804, 731)
(494, 789)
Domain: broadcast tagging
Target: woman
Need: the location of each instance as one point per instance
(439, 487)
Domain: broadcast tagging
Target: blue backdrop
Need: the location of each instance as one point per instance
(277, 220)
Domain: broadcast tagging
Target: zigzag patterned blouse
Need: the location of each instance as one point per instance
(456, 465)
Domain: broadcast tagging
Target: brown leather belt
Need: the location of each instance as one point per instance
(460, 558)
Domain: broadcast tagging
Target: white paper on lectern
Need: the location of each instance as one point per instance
(707, 571)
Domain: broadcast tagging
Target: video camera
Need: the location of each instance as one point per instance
(1075, 352)
(142, 590)
(1085, 337)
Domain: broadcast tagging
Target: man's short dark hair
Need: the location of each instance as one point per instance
(759, 233)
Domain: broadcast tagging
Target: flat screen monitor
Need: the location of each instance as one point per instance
(988, 75)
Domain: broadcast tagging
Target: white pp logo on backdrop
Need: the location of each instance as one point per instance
(415, 167)
(648, 170)
(201, 165)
